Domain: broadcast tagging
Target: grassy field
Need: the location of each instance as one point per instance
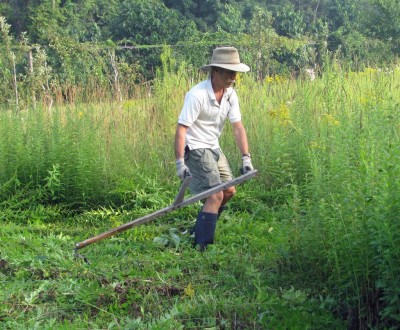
(313, 242)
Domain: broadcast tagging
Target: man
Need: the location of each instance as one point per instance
(200, 124)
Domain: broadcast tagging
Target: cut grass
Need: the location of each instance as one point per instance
(133, 282)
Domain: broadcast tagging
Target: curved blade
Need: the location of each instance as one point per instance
(182, 190)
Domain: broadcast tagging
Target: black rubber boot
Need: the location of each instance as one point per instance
(220, 210)
(205, 229)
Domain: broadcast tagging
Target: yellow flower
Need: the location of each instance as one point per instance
(189, 291)
(282, 114)
(370, 70)
(331, 120)
(314, 145)
(277, 79)
(238, 79)
(129, 104)
(269, 79)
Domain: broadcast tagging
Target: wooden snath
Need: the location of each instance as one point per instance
(177, 204)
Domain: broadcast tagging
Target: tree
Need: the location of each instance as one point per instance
(381, 20)
(17, 13)
(289, 21)
(6, 61)
(230, 20)
(148, 24)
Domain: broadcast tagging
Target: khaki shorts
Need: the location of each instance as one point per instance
(209, 168)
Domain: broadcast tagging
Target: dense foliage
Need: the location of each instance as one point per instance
(59, 45)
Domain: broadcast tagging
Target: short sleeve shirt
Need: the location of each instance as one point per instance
(205, 117)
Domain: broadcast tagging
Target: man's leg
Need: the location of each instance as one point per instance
(203, 164)
(206, 222)
(209, 168)
(226, 175)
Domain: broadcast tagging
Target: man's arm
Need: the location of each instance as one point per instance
(180, 136)
(241, 141)
(181, 169)
(240, 137)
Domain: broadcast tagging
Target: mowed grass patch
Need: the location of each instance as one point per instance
(133, 281)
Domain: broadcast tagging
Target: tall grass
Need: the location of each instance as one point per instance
(332, 148)
(327, 152)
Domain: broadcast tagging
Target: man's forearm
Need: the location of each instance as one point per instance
(241, 139)
(180, 136)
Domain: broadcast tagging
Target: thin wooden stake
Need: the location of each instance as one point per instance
(30, 59)
(15, 80)
(116, 76)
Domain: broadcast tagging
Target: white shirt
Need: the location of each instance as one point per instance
(205, 117)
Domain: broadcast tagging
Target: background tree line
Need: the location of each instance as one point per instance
(58, 46)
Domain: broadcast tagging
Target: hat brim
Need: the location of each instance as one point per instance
(233, 67)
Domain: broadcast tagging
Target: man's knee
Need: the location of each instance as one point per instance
(229, 193)
(217, 197)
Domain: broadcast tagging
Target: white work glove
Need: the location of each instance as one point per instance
(247, 166)
(181, 169)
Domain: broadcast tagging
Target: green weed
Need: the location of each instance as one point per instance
(311, 242)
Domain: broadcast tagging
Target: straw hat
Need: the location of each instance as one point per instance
(226, 58)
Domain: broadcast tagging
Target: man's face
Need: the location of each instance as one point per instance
(227, 77)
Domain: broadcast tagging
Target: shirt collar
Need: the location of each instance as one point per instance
(210, 90)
